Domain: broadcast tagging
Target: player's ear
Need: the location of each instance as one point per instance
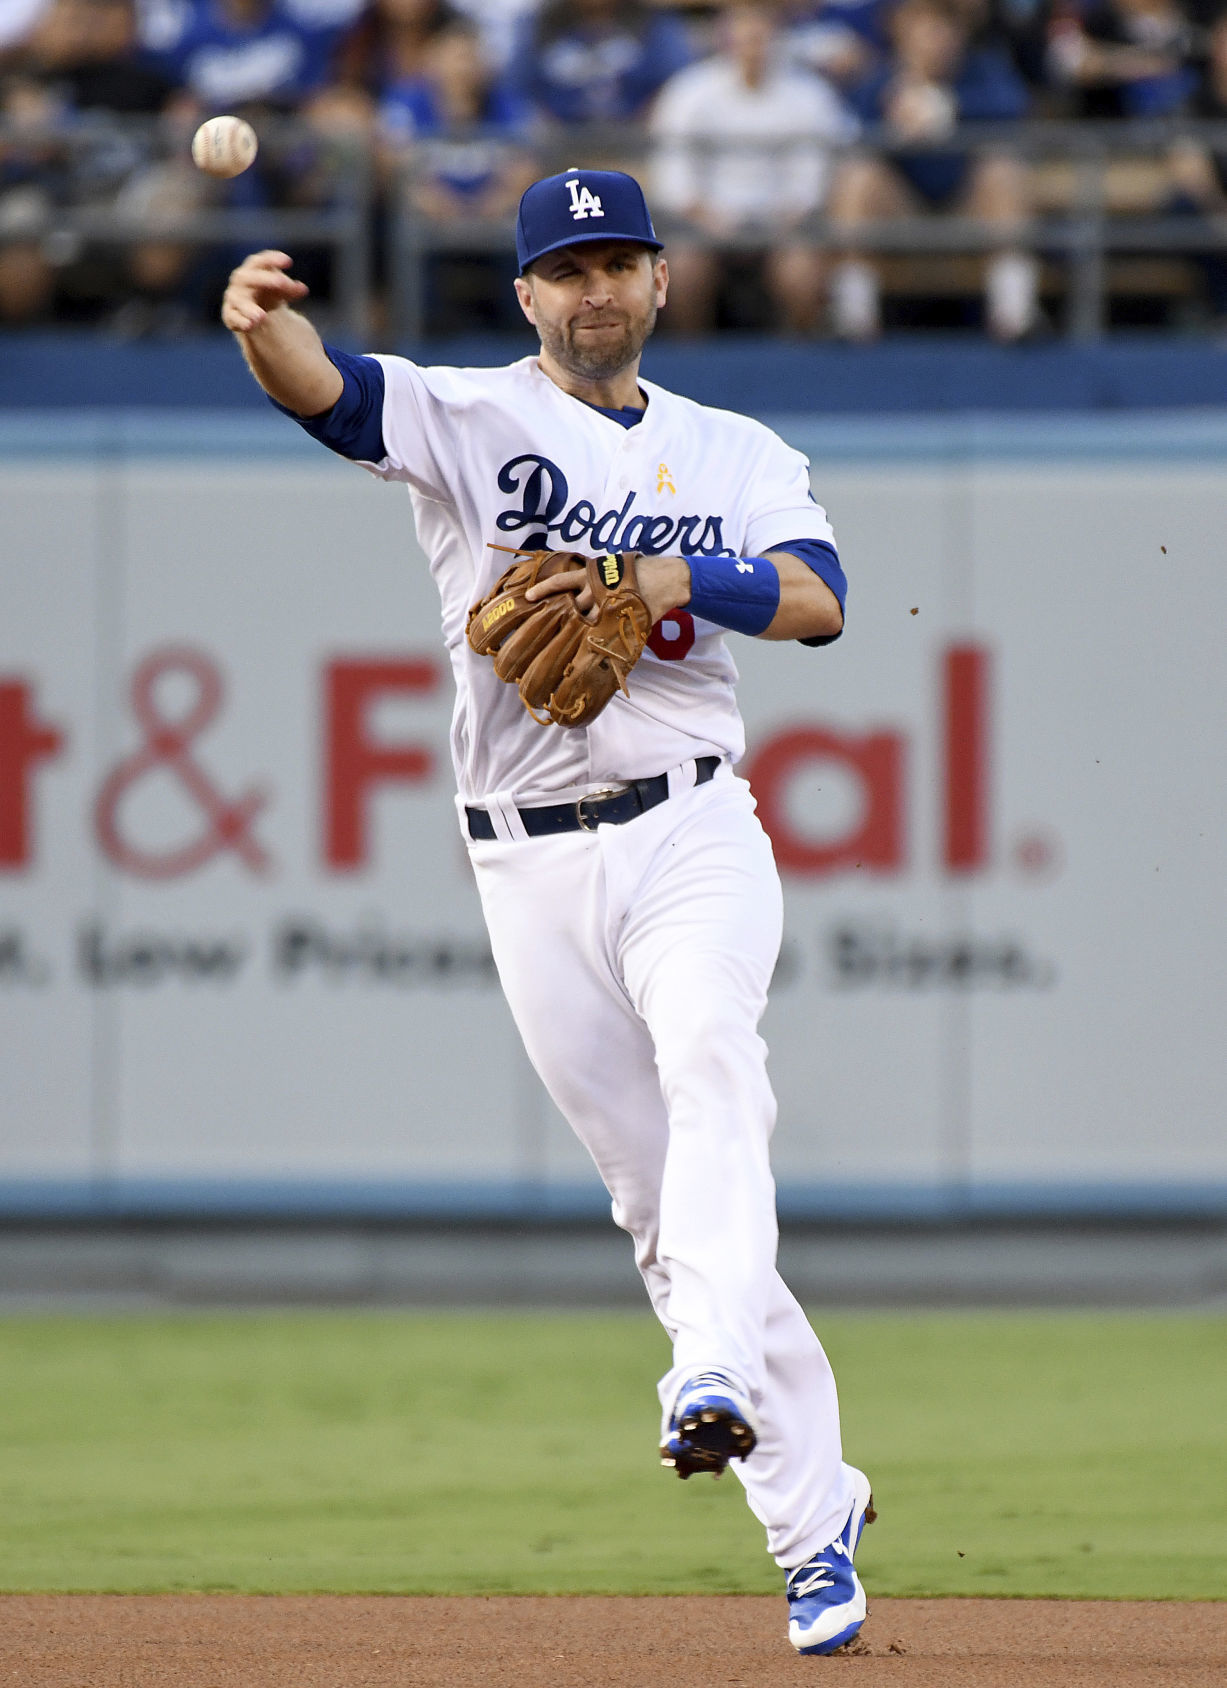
(524, 294)
(660, 274)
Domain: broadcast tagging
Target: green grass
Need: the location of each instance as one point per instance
(1066, 1454)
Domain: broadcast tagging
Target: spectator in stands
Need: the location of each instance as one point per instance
(840, 39)
(742, 158)
(1018, 28)
(934, 81)
(231, 53)
(596, 61)
(461, 129)
(18, 19)
(497, 22)
(1122, 58)
(260, 58)
(31, 178)
(1199, 177)
(389, 43)
(79, 62)
(88, 51)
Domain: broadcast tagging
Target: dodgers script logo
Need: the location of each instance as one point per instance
(545, 506)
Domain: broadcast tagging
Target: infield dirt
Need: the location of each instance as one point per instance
(731, 1641)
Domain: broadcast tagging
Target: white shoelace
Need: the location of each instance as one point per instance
(810, 1584)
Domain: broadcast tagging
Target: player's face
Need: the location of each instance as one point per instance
(594, 306)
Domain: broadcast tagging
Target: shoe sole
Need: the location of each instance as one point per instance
(690, 1462)
(836, 1644)
(709, 1440)
(719, 1431)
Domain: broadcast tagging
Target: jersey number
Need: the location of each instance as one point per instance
(672, 636)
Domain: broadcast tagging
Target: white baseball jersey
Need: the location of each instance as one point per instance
(505, 457)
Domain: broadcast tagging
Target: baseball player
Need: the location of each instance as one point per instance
(633, 905)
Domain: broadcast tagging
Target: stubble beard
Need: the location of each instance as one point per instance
(597, 362)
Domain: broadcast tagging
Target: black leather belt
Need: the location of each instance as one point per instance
(590, 812)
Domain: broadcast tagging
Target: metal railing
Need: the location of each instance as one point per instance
(85, 206)
(1078, 239)
(78, 179)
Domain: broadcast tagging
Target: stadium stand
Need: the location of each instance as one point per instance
(1025, 168)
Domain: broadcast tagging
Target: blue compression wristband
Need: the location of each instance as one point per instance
(741, 593)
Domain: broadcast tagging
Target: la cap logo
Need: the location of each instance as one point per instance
(584, 203)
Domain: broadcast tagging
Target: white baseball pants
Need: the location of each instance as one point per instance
(636, 961)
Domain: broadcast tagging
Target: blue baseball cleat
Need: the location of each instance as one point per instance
(711, 1423)
(826, 1602)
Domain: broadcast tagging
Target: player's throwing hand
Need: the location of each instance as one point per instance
(258, 286)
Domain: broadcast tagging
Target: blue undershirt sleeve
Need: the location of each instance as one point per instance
(824, 560)
(353, 427)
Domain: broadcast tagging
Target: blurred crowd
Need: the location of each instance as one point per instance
(770, 138)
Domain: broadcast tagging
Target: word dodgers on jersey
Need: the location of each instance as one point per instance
(544, 506)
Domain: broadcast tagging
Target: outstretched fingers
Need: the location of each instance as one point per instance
(259, 285)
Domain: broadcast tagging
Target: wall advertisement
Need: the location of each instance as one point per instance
(242, 961)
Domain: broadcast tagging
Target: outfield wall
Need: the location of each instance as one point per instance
(242, 966)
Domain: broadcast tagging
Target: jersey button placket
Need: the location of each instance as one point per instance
(626, 475)
(621, 477)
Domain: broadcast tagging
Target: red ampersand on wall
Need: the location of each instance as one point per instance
(228, 826)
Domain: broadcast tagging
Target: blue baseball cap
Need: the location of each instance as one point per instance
(580, 206)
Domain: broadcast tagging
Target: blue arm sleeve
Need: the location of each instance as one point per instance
(824, 560)
(354, 426)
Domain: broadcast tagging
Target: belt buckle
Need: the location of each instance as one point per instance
(594, 797)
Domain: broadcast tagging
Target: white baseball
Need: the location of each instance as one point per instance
(224, 146)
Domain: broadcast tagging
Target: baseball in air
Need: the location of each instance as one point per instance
(224, 146)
